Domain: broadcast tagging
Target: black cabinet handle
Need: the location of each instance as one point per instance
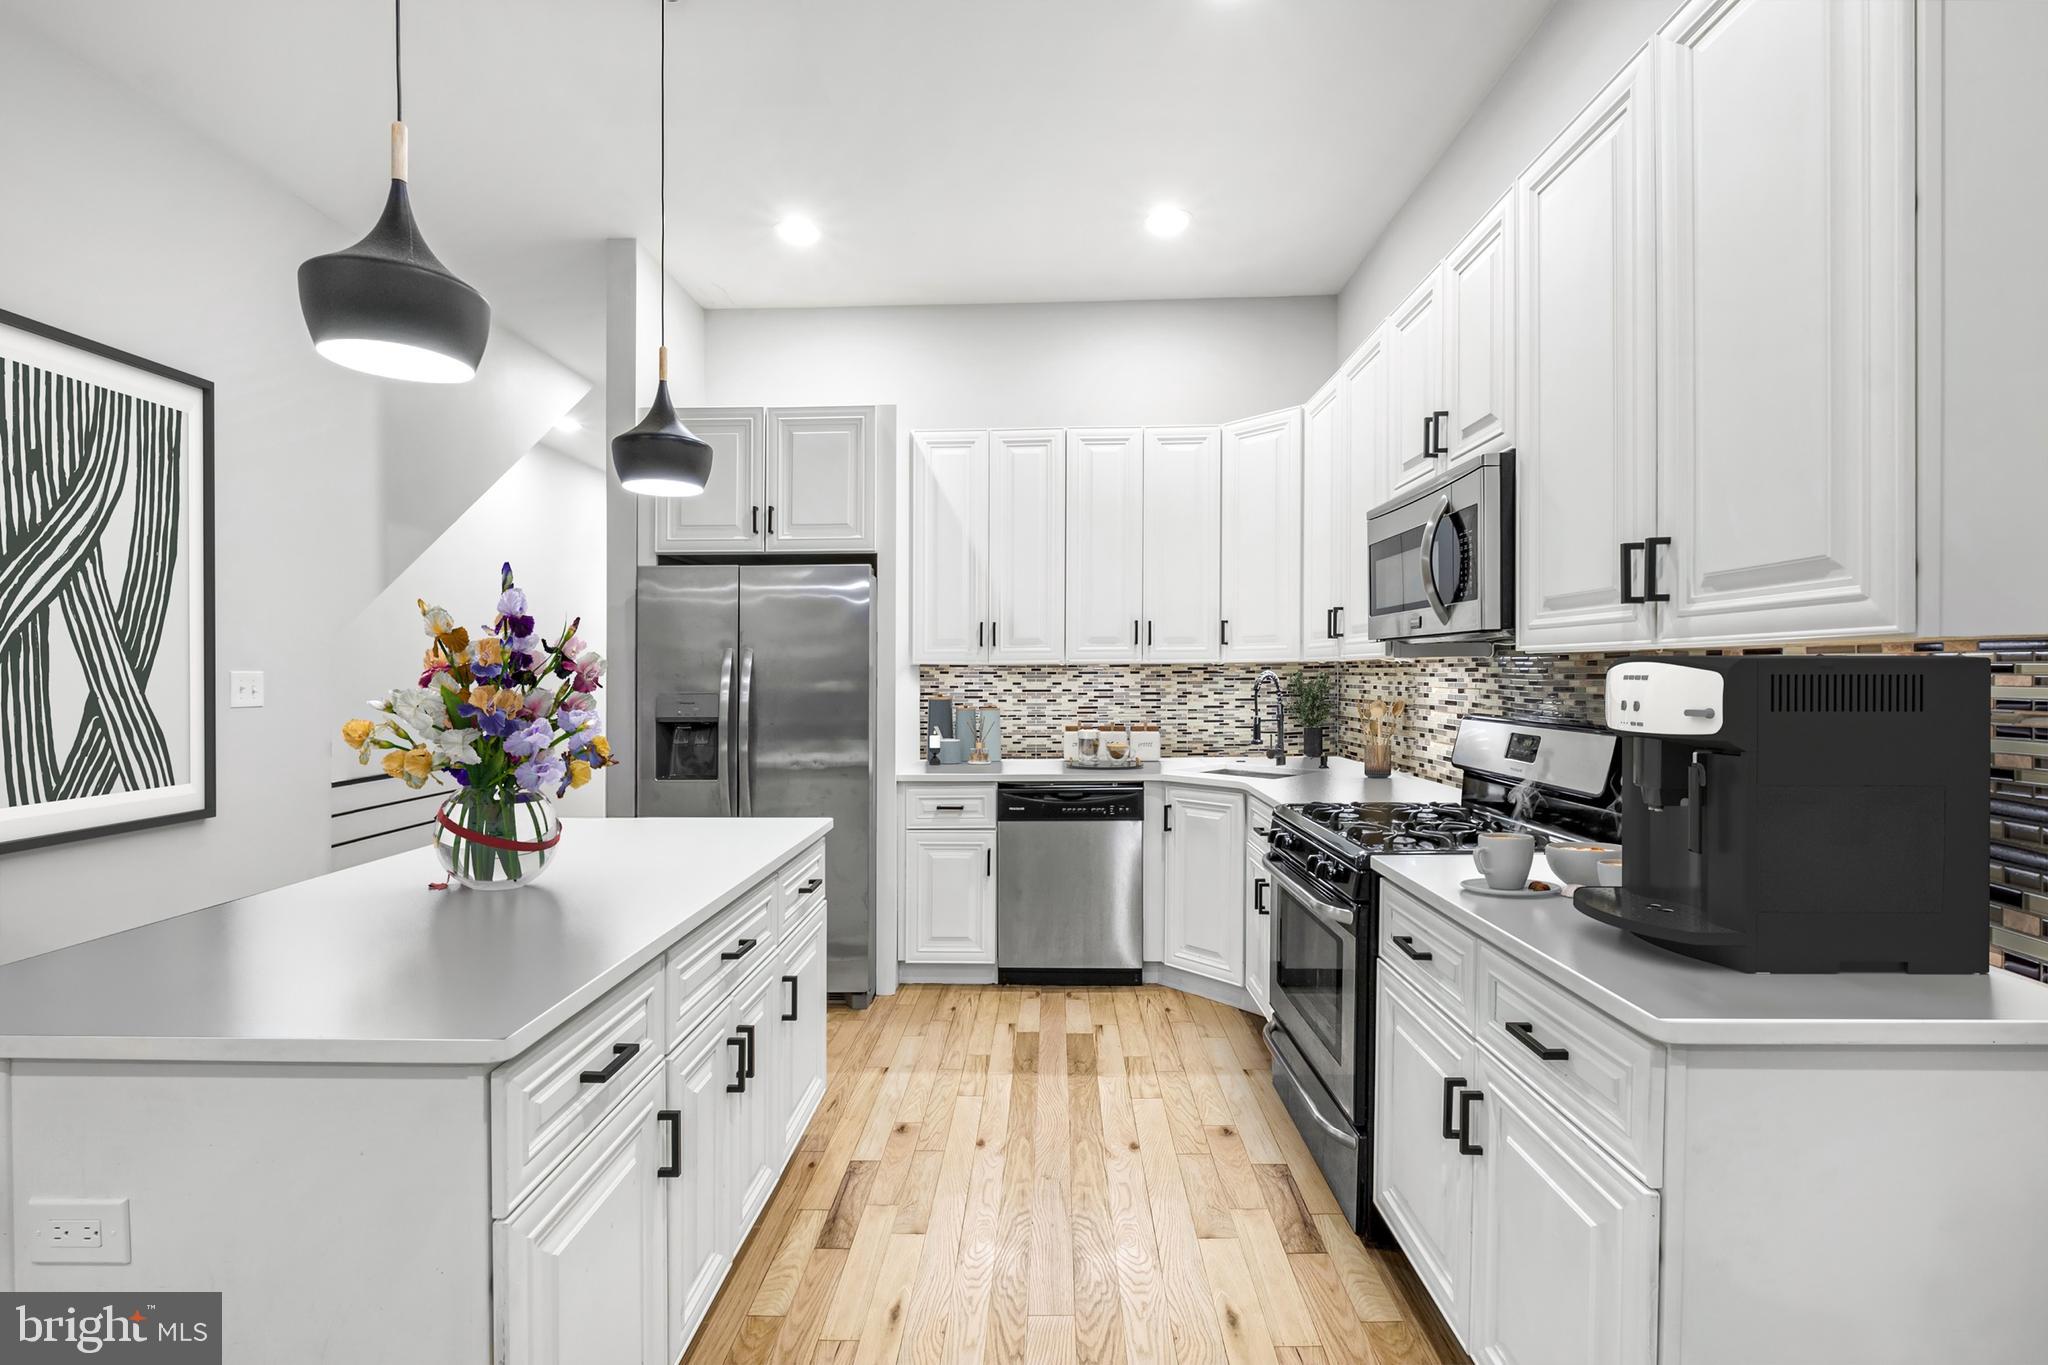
(735, 954)
(1338, 612)
(1427, 453)
(812, 885)
(1451, 1084)
(674, 1119)
(1259, 896)
(980, 627)
(1466, 1146)
(1525, 1034)
(771, 518)
(1437, 424)
(1406, 943)
(1148, 635)
(991, 635)
(757, 518)
(1224, 630)
(1650, 593)
(748, 1029)
(1134, 634)
(958, 807)
(1166, 819)
(621, 1054)
(1259, 830)
(1628, 571)
(790, 982)
(739, 1070)
(988, 862)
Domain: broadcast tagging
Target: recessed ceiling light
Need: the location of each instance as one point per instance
(567, 423)
(797, 230)
(1167, 220)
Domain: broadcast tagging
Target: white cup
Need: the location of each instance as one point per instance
(1578, 864)
(1504, 859)
(1610, 872)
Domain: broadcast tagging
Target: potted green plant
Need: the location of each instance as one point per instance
(1313, 699)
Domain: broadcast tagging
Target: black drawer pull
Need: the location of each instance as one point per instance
(748, 1029)
(1467, 1147)
(1525, 1034)
(735, 954)
(674, 1119)
(621, 1054)
(1451, 1084)
(739, 1071)
(1259, 896)
(790, 982)
(1406, 943)
(961, 807)
(812, 885)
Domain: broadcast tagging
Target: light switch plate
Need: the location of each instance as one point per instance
(245, 687)
(78, 1231)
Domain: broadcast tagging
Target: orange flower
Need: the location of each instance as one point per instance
(480, 696)
(357, 733)
(602, 747)
(490, 651)
(579, 772)
(411, 766)
(455, 641)
(509, 700)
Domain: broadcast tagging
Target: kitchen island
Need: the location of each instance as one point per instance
(1594, 1149)
(464, 1115)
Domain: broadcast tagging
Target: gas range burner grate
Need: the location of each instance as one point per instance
(1403, 827)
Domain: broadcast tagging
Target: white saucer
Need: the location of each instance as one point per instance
(1476, 886)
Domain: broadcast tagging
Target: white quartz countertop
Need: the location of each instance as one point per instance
(1680, 1001)
(1343, 780)
(368, 965)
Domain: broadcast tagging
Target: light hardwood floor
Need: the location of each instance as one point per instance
(1059, 1176)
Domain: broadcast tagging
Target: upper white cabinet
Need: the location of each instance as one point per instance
(1202, 853)
(1325, 537)
(1363, 469)
(1027, 546)
(1785, 354)
(1586, 468)
(1414, 339)
(949, 546)
(1261, 547)
(1105, 578)
(795, 480)
(1182, 534)
(1479, 336)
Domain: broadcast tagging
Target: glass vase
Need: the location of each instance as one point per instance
(1379, 757)
(489, 841)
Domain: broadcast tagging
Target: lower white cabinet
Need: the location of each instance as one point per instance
(802, 1020)
(1258, 930)
(949, 895)
(762, 1110)
(1421, 1182)
(1202, 901)
(700, 1196)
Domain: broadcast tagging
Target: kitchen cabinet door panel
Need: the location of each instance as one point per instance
(1479, 335)
(1785, 356)
(1105, 577)
(1202, 902)
(1182, 539)
(1586, 467)
(1258, 931)
(821, 472)
(1261, 546)
(1365, 461)
(949, 902)
(1027, 546)
(1415, 382)
(802, 1017)
(1325, 532)
(727, 514)
(764, 1104)
(703, 1208)
(948, 546)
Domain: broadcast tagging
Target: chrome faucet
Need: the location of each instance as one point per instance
(1279, 749)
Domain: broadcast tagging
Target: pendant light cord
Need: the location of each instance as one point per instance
(398, 54)
(664, 173)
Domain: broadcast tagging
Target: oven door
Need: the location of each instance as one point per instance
(1316, 979)
(1438, 563)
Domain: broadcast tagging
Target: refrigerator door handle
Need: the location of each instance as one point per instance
(745, 727)
(725, 732)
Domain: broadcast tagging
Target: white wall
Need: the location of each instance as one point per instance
(1575, 51)
(122, 227)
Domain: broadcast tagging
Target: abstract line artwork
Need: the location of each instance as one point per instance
(105, 589)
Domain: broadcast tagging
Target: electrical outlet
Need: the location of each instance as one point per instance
(78, 1231)
(245, 687)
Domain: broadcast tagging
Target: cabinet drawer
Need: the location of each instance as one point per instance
(1430, 951)
(1258, 819)
(540, 1104)
(1608, 1080)
(700, 974)
(799, 884)
(936, 807)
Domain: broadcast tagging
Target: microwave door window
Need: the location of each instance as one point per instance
(1452, 555)
(1396, 573)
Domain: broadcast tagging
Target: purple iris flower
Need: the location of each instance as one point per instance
(583, 728)
(485, 672)
(544, 770)
(496, 723)
(512, 602)
(461, 777)
(530, 738)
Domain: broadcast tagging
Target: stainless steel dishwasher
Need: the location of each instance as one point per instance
(1070, 883)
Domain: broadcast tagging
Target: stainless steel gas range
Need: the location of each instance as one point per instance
(1548, 777)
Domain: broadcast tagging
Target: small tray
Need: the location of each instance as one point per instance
(1476, 886)
(1127, 762)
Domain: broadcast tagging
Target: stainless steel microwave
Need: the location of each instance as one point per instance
(1441, 558)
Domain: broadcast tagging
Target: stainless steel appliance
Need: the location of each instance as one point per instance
(1803, 814)
(1070, 892)
(1544, 776)
(757, 691)
(1442, 559)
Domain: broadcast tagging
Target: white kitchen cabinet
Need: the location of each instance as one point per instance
(1421, 1182)
(1027, 546)
(1202, 849)
(1479, 335)
(1258, 929)
(802, 1019)
(1418, 440)
(583, 1263)
(1364, 465)
(1564, 1242)
(1182, 539)
(949, 546)
(1260, 589)
(820, 480)
(1785, 356)
(1105, 567)
(1325, 536)
(703, 1227)
(763, 1107)
(1586, 443)
(949, 898)
(727, 514)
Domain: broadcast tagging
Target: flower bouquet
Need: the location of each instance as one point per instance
(511, 719)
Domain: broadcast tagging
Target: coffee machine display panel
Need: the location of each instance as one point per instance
(1665, 699)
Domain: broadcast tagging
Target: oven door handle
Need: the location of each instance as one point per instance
(1342, 1136)
(1429, 587)
(1336, 914)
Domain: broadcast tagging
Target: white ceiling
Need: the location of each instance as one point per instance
(951, 150)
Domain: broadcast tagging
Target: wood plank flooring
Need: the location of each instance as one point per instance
(1076, 1177)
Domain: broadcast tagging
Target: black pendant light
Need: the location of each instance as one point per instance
(387, 306)
(662, 458)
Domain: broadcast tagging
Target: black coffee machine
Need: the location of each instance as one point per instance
(1786, 813)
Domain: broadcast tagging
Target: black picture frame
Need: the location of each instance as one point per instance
(204, 674)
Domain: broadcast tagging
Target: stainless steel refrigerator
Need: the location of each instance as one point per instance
(757, 691)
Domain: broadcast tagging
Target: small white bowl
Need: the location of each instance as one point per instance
(1579, 864)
